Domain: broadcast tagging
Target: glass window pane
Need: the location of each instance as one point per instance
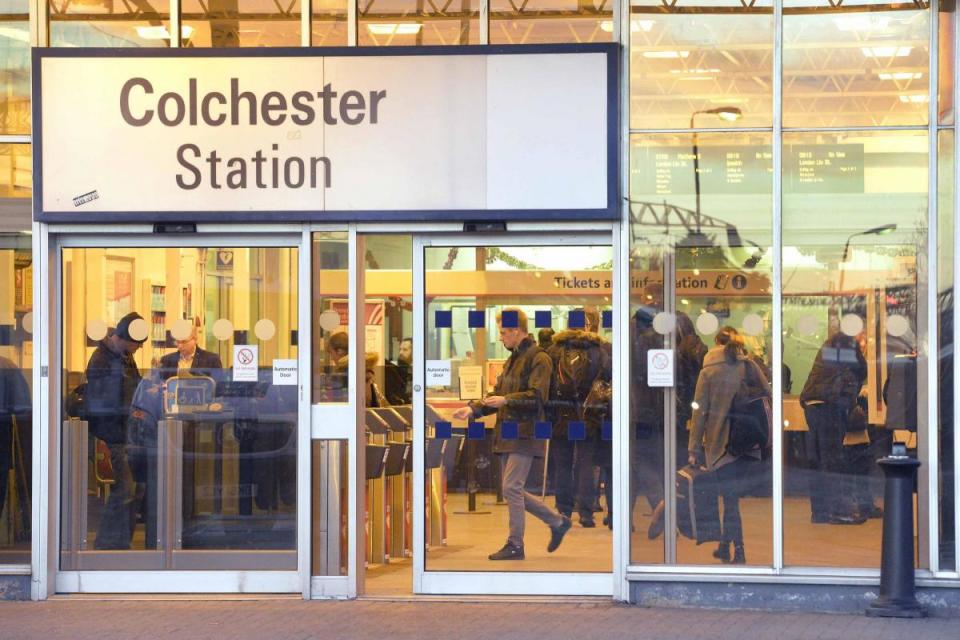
(402, 22)
(16, 354)
(329, 305)
(551, 21)
(93, 24)
(329, 24)
(711, 237)
(947, 63)
(232, 23)
(945, 217)
(692, 56)
(15, 65)
(330, 507)
(179, 445)
(854, 321)
(857, 63)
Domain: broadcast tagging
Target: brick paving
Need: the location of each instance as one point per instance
(83, 619)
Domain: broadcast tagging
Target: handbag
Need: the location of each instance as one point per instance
(750, 415)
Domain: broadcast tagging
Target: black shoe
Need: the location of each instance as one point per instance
(587, 523)
(557, 533)
(508, 552)
(722, 552)
(819, 518)
(739, 557)
(847, 518)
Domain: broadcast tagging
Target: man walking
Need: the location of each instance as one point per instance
(518, 400)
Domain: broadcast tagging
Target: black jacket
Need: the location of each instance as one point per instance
(596, 352)
(525, 382)
(112, 379)
(838, 372)
(205, 363)
(14, 403)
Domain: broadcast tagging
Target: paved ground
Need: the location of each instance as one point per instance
(274, 619)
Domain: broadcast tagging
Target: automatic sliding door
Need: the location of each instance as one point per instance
(179, 433)
(482, 304)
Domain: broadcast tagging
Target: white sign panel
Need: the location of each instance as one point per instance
(245, 362)
(325, 136)
(284, 372)
(439, 373)
(660, 368)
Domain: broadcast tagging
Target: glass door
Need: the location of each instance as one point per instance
(180, 410)
(513, 346)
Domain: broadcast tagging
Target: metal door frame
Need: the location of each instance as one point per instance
(503, 582)
(49, 240)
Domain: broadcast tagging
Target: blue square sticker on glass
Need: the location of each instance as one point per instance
(475, 319)
(576, 431)
(442, 430)
(576, 320)
(443, 319)
(510, 320)
(542, 430)
(607, 319)
(476, 431)
(606, 430)
(510, 431)
(542, 319)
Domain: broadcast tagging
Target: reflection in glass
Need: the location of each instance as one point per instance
(15, 74)
(551, 21)
(946, 147)
(16, 377)
(857, 63)
(695, 55)
(853, 282)
(330, 504)
(330, 313)
(400, 22)
(181, 449)
(947, 62)
(241, 23)
(486, 465)
(108, 24)
(701, 211)
(329, 23)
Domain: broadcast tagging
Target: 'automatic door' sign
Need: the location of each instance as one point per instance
(327, 137)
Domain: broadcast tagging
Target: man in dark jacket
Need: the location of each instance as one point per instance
(191, 358)
(518, 400)
(397, 377)
(112, 379)
(15, 412)
(584, 356)
(828, 396)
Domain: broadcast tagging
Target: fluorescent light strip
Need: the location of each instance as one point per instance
(673, 55)
(392, 28)
(886, 52)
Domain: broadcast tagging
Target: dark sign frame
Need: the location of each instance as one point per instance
(610, 212)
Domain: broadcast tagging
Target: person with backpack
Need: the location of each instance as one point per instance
(519, 399)
(580, 357)
(725, 370)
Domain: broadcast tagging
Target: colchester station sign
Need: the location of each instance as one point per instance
(314, 134)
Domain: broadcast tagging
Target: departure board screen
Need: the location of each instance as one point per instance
(666, 171)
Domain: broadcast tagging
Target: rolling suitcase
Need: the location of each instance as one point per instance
(698, 511)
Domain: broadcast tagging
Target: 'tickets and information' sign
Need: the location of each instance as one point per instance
(411, 135)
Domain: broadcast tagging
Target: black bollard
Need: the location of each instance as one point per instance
(897, 596)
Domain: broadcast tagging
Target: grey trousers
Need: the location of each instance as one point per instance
(516, 468)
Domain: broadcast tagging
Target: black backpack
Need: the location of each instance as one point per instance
(573, 377)
(751, 419)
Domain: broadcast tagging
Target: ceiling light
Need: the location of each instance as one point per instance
(666, 54)
(161, 33)
(694, 71)
(636, 26)
(861, 23)
(392, 28)
(886, 52)
(915, 98)
(901, 75)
